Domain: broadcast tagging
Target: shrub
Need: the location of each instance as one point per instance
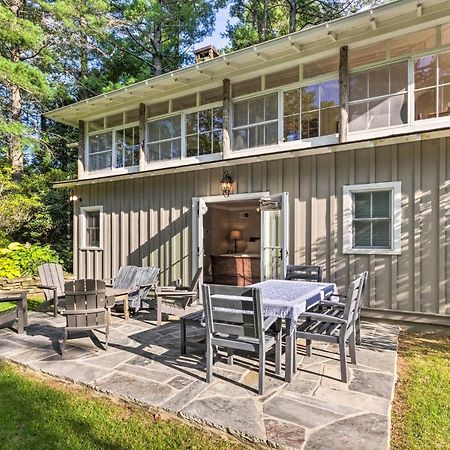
(23, 260)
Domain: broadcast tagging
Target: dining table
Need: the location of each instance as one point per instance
(288, 300)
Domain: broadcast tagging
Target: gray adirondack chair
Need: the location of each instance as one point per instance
(177, 300)
(146, 278)
(336, 308)
(335, 329)
(52, 282)
(234, 321)
(86, 308)
(304, 273)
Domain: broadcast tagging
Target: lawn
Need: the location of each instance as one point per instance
(40, 413)
(421, 410)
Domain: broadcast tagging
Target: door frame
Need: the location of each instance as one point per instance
(197, 247)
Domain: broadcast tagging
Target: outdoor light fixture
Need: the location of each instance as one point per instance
(227, 184)
(73, 198)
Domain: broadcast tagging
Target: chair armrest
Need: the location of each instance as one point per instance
(180, 294)
(72, 312)
(269, 322)
(323, 318)
(339, 295)
(332, 304)
(149, 285)
(42, 286)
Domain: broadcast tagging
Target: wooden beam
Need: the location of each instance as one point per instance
(141, 136)
(81, 147)
(226, 134)
(343, 93)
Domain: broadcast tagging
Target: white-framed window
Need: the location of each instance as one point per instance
(255, 122)
(372, 218)
(127, 147)
(91, 227)
(164, 139)
(204, 131)
(100, 152)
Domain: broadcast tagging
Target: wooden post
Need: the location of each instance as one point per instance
(81, 147)
(141, 136)
(226, 139)
(343, 93)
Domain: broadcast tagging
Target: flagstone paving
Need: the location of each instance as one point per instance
(144, 365)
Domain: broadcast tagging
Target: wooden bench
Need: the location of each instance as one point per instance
(194, 319)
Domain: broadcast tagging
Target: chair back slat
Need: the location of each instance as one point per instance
(233, 311)
(82, 295)
(351, 304)
(194, 283)
(362, 290)
(125, 278)
(304, 273)
(52, 274)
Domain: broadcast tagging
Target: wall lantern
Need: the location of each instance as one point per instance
(73, 198)
(226, 183)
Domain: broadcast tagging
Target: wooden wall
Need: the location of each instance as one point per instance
(147, 221)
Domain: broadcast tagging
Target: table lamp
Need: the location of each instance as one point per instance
(235, 235)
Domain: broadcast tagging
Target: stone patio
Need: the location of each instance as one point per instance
(144, 365)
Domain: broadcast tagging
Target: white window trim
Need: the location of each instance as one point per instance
(83, 211)
(347, 229)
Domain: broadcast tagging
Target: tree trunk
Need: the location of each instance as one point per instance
(84, 60)
(292, 4)
(157, 56)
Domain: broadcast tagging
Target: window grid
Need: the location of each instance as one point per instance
(91, 227)
(196, 140)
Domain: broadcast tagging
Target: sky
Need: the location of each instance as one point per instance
(223, 15)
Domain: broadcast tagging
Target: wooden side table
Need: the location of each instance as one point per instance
(20, 298)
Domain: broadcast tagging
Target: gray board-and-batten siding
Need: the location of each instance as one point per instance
(147, 219)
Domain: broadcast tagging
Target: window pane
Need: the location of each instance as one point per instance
(310, 124)
(329, 121)
(271, 136)
(92, 237)
(361, 201)
(176, 148)
(165, 149)
(379, 113)
(358, 86)
(358, 117)
(153, 152)
(291, 102)
(379, 82)
(256, 136)
(361, 233)
(310, 97)
(205, 143)
(217, 141)
(205, 120)
(167, 128)
(329, 93)
(191, 144)
(256, 110)
(398, 109)
(381, 233)
(240, 139)
(425, 72)
(218, 118)
(381, 204)
(271, 105)
(93, 219)
(444, 68)
(425, 102)
(399, 77)
(292, 128)
(444, 100)
(93, 144)
(191, 123)
(240, 112)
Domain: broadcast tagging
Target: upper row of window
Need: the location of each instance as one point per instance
(378, 98)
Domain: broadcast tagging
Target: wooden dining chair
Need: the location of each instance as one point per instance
(86, 308)
(333, 328)
(304, 273)
(234, 320)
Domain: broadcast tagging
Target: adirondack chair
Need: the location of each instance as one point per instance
(304, 273)
(177, 300)
(335, 329)
(234, 321)
(336, 307)
(86, 308)
(146, 278)
(52, 282)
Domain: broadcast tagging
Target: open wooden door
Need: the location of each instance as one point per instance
(274, 236)
(199, 209)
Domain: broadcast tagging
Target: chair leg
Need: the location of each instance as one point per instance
(352, 347)
(183, 336)
(278, 345)
(209, 362)
(343, 359)
(230, 356)
(106, 336)
(262, 370)
(158, 311)
(63, 345)
(308, 347)
(358, 331)
(55, 306)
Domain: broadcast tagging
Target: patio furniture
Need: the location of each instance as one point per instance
(336, 307)
(146, 278)
(20, 312)
(288, 300)
(177, 300)
(52, 282)
(304, 273)
(86, 308)
(234, 320)
(195, 319)
(334, 329)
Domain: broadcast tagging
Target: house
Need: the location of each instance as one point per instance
(334, 141)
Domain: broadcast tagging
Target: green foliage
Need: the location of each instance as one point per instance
(23, 260)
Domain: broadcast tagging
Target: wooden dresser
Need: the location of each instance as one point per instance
(235, 270)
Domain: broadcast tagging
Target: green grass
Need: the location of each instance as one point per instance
(39, 413)
(421, 413)
(34, 300)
